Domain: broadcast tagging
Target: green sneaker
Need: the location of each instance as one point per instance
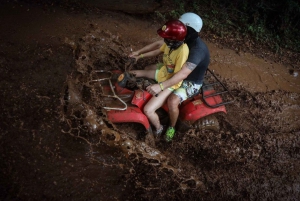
(170, 134)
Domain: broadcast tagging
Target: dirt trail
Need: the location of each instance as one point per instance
(255, 74)
(254, 156)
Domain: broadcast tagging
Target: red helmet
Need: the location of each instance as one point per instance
(173, 30)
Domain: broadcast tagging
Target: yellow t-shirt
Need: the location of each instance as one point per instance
(172, 63)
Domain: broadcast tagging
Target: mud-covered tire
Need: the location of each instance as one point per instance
(207, 123)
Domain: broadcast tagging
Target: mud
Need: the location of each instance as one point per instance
(51, 150)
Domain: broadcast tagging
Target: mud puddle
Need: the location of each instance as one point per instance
(52, 152)
(254, 155)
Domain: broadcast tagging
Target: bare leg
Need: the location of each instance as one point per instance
(149, 72)
(173, 102)
(153, 105)
(151, 67)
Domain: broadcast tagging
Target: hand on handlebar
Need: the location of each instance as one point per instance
(134, 55)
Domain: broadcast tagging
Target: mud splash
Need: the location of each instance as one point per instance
(254, 156)
(85, 121)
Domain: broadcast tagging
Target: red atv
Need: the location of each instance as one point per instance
(123, 97)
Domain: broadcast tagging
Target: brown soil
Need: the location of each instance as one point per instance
(48, 155)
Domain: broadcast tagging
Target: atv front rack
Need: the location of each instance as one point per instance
(226, 95)
(109, 75)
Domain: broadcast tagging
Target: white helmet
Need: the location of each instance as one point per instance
(192, 20)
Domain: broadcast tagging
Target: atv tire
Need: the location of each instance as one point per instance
(207, 123)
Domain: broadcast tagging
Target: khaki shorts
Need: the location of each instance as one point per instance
(187, 90)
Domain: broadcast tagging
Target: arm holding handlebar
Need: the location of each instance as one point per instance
(146, 51)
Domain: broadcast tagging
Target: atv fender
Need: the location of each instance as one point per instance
(140, 98)
(196, 109)
(131, 114)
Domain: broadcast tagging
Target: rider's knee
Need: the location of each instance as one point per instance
(173, 101)
(147, 111)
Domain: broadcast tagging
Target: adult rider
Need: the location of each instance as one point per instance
(192, 72)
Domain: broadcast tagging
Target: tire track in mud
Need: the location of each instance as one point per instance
(254, 156)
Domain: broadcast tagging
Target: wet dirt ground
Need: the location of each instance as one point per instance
(46, 156)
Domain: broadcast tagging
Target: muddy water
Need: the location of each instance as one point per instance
(259, 136)
(256, 74)
(50, 154)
